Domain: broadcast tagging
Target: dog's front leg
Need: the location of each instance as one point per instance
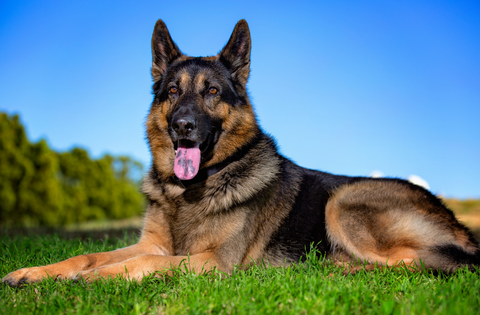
(71, 267)
(138, 267)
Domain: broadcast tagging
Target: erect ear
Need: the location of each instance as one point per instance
(236, 54)
(164, 50)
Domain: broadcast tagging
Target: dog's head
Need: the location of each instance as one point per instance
(201, 114)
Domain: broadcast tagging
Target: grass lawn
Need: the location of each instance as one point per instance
(311, 287)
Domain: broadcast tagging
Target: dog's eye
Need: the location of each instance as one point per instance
(173, 90)
(213, 91)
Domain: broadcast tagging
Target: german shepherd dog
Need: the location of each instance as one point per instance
(219, 193)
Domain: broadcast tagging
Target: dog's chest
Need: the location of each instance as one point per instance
(195, 231)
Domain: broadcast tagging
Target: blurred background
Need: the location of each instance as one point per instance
(358, 88)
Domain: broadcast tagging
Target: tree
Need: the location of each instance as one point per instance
(39, 186)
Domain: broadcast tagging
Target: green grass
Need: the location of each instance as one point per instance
(312, 287)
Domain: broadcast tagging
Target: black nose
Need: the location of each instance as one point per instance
(183, 126)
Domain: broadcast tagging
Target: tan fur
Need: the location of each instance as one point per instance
(185, 80)
(199, 83)
(390, 225)
(163, 153)
(240, 126)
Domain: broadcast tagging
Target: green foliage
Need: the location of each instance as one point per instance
(39, 186)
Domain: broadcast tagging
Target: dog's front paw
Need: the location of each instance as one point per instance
(25, 275)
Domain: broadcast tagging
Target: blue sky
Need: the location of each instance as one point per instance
(347, 87)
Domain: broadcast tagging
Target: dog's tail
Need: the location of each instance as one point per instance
(451, 257)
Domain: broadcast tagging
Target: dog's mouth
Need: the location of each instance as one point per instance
(189, 155)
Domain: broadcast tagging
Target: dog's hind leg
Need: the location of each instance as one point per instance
(391, 222)
(350, 264)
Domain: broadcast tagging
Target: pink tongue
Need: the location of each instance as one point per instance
(187, 162)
